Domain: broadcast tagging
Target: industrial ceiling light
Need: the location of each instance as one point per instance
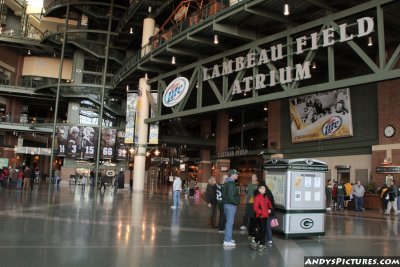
(149, 9)
(370, 41)
(131, 30)
(29, 52)
(216, 40)
(157, 152)
(54, 55)
(286, 11)
(265, 107)
(173, 60)
(127, 87)
(146, 76)
(314, 65)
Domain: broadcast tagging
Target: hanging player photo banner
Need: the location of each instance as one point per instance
(108, 143)
(154, 127)
(131, 103)
(320, 116)
(121, 149)
(74, 141)
(89, 141)
(137, 120)
(61, 140)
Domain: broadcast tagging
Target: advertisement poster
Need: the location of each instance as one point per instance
(154, 127)
(320, 116)
(108, 137)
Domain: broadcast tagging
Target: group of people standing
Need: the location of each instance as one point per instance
(258, 213)
(23, 178)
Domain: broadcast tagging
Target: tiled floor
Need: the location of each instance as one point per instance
(74, 228)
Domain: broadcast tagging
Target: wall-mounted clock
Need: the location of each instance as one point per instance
(389, 131)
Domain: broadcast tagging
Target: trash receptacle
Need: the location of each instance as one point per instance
(298, 186)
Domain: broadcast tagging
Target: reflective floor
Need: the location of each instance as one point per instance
(69, 227)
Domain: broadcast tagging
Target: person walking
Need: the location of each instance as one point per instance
(230, 199)
(270, 196)
(262, 208)
(340, 196)
(220, 205)
(176, 191)
(392, 201)
(358, 195)
(27, 177)
(211, 198)
(248, 217)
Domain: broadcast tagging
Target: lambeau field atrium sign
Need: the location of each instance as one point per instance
(287, 74)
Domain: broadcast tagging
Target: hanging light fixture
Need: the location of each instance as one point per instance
(157, 152)
(127, 87)
(216, 40)
(173, 60)
(54, 55)
(149, 9)
(265, 107)
(286, 11)
(370, 41)
(230, 119)
(146, 76)
(29, 52)
(51, 108)
(131, 30)
(314, 65)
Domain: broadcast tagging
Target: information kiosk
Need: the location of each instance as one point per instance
(298, 186)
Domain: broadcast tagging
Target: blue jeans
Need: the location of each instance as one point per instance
(177, 198)
(230, 211)
(359, 203)
(340, 201)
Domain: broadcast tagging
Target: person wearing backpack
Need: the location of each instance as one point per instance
(392, 201)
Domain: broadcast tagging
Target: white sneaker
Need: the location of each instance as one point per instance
(233, 241)
(173, 207)
(243, 228)
(229, 244)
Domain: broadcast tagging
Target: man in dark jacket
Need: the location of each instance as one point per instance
(230, 199)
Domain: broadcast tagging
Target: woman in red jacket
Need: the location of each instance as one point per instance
(262, 207)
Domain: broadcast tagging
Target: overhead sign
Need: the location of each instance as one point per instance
(175, 91)
(388, 169)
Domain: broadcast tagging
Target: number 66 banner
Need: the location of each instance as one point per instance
(107, 143)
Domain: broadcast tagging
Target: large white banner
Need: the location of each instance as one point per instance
(154, 127)
(322, 115)
(131, 104)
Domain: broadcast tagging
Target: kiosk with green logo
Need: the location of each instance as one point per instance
(298, 186)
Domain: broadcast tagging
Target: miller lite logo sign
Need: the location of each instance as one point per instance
(175, 91)
(332, 125)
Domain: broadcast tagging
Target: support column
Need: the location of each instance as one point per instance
(222, 137)
(204, 171)
(142, 113)
(148, 31)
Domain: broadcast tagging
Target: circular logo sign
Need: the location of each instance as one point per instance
(332, 125)
(306, 223)
(175, 91)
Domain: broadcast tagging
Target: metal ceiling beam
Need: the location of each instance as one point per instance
(322, 4)
(182, 51)
(234, 30)
(270, 15)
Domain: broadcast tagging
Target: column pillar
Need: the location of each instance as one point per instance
(222, 137)
(142, 113)
(204, 170)
(148, 31)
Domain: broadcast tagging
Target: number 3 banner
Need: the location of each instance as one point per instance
(108, 143)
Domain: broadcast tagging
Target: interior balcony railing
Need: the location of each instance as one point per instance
(16, 33)
(166, 34)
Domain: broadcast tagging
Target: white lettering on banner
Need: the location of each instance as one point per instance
(287, 74)
(232, 153)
